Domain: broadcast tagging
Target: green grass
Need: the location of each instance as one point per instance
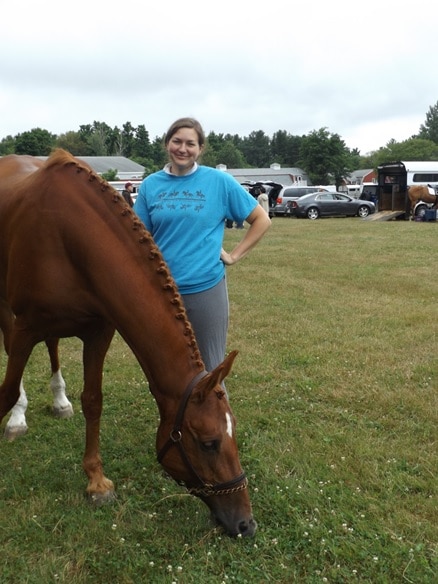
(335, 393)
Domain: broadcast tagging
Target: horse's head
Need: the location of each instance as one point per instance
(198, 448)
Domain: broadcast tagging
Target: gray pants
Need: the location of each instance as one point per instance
(208, 314)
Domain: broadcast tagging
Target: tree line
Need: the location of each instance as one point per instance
(323, 155)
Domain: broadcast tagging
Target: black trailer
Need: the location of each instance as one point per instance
(392, 189)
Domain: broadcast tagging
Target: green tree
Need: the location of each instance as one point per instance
(256, 149)
(215, 141)
(72, 141)
(285, 148)
(110, 174)
(114, 142)
(231, 156)
(99, 138)
(159, 154)
(124, 146)
(429, 130)
(209, 155)
(142, 146)
(37, 142)
(7, 146)
(411, 149)
(220, 149)
(325, 157)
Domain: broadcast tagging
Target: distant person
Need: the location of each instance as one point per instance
(288, 209)
(185, 207)
(263, 200)
(127, 193)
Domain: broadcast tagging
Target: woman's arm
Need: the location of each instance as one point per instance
(259, 223)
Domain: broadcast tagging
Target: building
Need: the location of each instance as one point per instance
(126, 169)
(284, 176)
(358, 177)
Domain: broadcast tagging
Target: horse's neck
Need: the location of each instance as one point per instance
(141, 300)
(162, 343)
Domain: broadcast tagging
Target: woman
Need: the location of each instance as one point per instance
(185, 207)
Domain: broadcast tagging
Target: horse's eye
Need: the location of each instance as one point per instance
(210, 446)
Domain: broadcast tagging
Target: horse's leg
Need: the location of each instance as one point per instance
(17, 425)
(11, 390)
(62, 408)
(96, 344)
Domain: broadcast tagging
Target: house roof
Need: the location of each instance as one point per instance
(105, 163)
(126, 168)
(284, 176)
(358, 175)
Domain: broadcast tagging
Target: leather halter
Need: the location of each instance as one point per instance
(203, 488)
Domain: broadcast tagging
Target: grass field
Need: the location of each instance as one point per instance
(335, 392)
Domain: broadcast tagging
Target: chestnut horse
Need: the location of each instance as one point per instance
(75, 260)
(422, 193)
(62, 408)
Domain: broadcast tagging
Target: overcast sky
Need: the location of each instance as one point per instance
(364, 70)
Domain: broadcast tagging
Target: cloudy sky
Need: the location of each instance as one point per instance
(363, 70)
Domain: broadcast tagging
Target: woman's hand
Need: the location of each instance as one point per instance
(259, 223)
(226, 258)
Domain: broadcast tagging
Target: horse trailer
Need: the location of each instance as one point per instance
(394, 179)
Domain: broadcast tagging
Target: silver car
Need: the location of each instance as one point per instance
(289, 194)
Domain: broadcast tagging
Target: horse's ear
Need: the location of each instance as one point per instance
(214, 378)
(225, 367)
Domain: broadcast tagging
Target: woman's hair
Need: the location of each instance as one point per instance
(185, 123)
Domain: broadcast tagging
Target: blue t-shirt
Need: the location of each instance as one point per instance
(186, 217)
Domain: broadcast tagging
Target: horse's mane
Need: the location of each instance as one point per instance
(62, 158)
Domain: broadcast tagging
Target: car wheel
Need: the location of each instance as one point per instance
(420, 211)
(363, 211)
(312, 213)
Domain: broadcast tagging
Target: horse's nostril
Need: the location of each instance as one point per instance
(247, 528)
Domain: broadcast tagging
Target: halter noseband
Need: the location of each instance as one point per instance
(175, 438)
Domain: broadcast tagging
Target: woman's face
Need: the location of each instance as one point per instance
(183, 149)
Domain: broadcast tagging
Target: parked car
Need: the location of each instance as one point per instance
(331, 205)
(289, 194)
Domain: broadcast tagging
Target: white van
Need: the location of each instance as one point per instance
(352, 190)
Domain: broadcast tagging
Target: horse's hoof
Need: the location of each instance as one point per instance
(63, 411)
(12, 432)
(99, 499)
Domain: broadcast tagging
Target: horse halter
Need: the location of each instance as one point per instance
(204, 489)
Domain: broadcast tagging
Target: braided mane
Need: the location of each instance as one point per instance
(61, 158)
